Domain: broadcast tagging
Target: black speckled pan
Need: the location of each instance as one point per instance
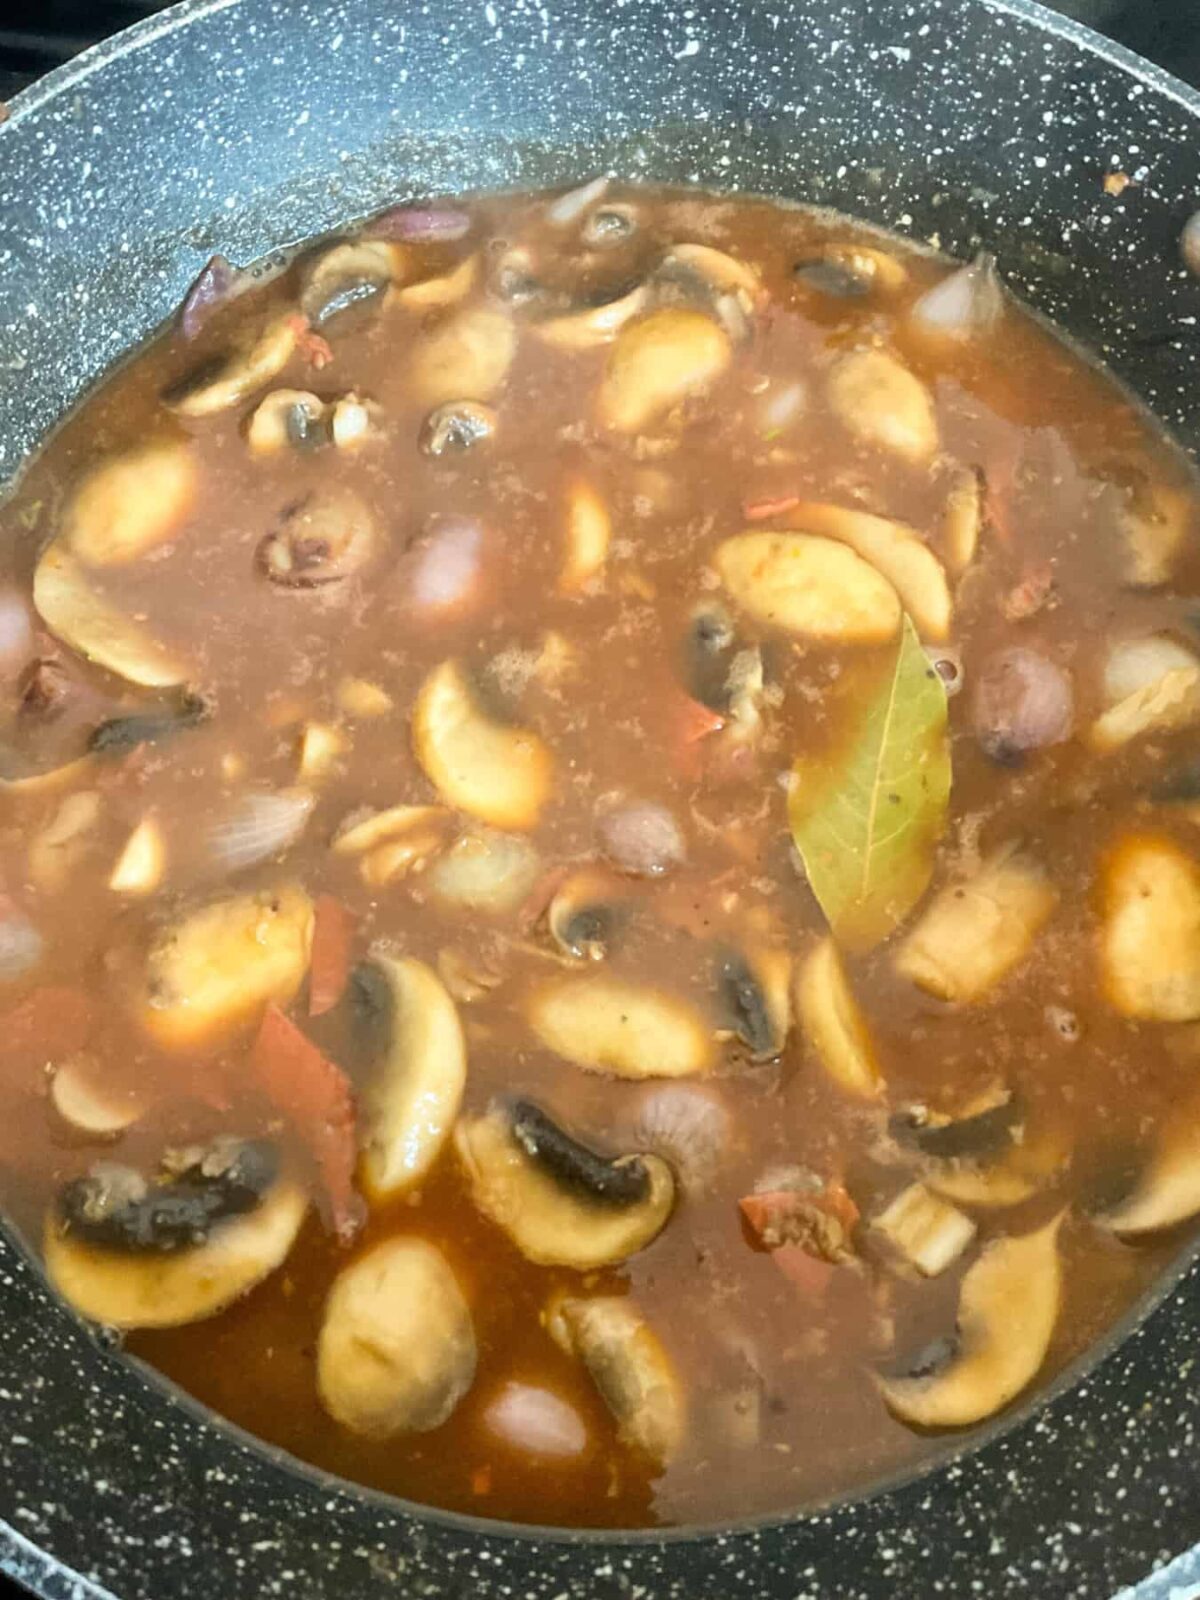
(241, 125)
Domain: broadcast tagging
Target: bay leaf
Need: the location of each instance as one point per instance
(867, 816)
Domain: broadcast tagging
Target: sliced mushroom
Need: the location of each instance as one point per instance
(441, 292)
(850, 271)
(360, 698)
(561, 1202)
(130, 505)
(610, 1025)
(728, 288)
(926, 1231)
(326, 537)
(814, 587)
(321, 746)
(636, 1377)
(89, 624)
(589, 530)
(896, 551)
(130, 1254)
(455, 427)
(973, 933)
(987, 1155)
(287, 419)
(834, 1025)
(1150, 942)
(465, 357)
(962, 520)
(219, 966)
(1152, 685)
(121, 734)
(591, 326)
(672, 355)
(754, 1000)
(498, 773)
(392, 842)
(349, 274)
(879, 400)
(396, 1351)
(1007, 1310)
(419, 1067)
(140, 866)
(587, 913)
(1167, 1191)
(238, 375)
(87, 1103)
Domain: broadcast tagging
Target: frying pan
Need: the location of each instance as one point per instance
(241, 125)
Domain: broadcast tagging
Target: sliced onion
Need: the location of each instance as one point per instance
(779, 408)
(1136, 664)
(571, 206)
(535, 1421)
(261, 824)
(485, 871)
(690, 1127)
(219, 282)
(641, 838)
(1023, 701)
(967, 302)
(21, 945)
(419, 224)
(16, 630)
(443, 566)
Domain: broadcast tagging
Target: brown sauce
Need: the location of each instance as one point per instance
(774, 1352)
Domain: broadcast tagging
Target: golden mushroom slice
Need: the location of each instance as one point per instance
(440, 292)
(589, 530)
(818, 588)
(561, 1203)
(492, 770)
(140, 866)
(219, 966)
(610, 1025)
(349, 274)
(754, 998)
(628, 1364)
(878, 399)
(973, 933)
(657, 362)
(850, 271)
(833, 1023)
(893, 549)
(1152, 685)
(1150, 941)
(123, 1257)
(396, 1351)
(1167, 1191)
(418, 1070)
(131, 504)
(1007, 1309)
(89, 624)
(250, 367)
(592, 326)
(987, 1155)
(464, 357)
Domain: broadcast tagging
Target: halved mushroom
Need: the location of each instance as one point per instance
(396, 1351)
(287, 419)
(140, 866)
(879, 400)
(658, 362)
(836, 1028)
(91, 625)
(973, 933)
(561, 1203)
(131, 1253)
(238, 375)
(131, 504)
(87, 1103)
(219, 966)
(457, 426)
(815, 587)
(349, 274)
(636, 1377)
(962, 519)
(896, 551)
(1007, 1308)
(1167, 1191)
(1150, 942)
(498, 773)
(754, 999)
(589, 530)
(587, 912)
(465, 357)
(419, 1067)
(608, 1024)
(850, 271)
(326, 537)
(1152, 685)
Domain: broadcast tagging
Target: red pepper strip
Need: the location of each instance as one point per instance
(782, 1217)
(763, 510)
(333, 932)
(690, 722)
(805, 1271)
(48, 1023)
(1000, 486)
(316, 1098)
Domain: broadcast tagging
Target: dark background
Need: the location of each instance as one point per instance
(52, 31)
